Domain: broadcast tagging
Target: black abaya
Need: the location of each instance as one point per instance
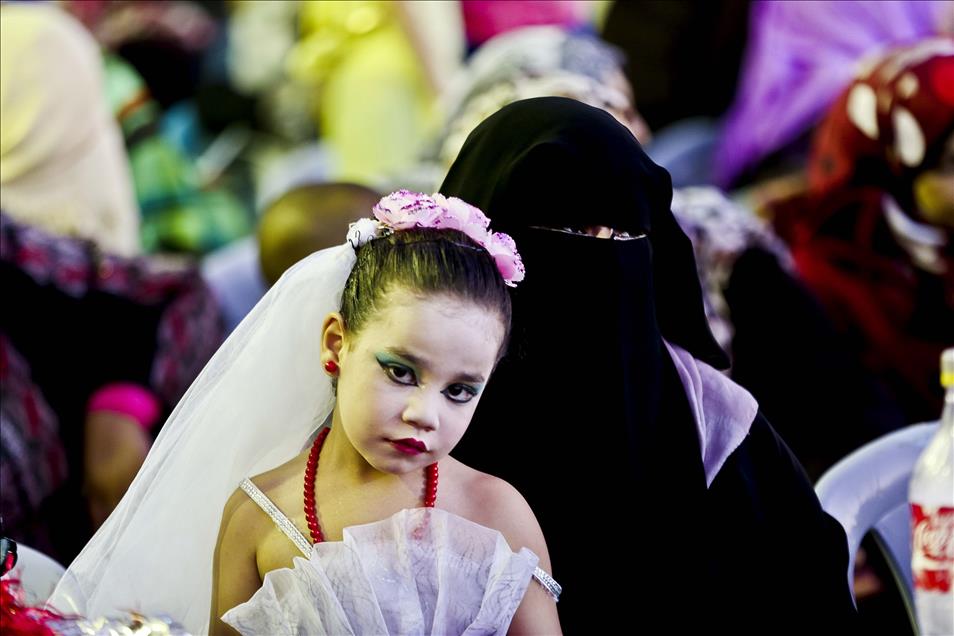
(588, 418)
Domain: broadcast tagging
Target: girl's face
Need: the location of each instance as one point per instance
(409, 382)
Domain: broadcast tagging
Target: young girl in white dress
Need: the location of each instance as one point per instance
(320, 436)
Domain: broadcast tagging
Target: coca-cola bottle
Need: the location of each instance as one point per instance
(932, 519)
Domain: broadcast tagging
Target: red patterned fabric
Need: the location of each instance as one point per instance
(857, 144)
(17, 618)
(32, 458)
(189, 327)
(895, 311)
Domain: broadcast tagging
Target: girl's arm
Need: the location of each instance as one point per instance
(235, 570)
(512, 516)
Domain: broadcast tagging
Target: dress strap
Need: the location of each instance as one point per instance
(552, 588)
(292, 532)
(284, 523)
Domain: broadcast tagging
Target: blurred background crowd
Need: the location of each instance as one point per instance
(162, 163)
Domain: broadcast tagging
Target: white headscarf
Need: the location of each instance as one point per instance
(63, 166)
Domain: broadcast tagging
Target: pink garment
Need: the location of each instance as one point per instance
(129, 399)
(483, 19)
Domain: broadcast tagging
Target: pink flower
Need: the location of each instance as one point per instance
(403, 210)
(460, 215)
(503, 250)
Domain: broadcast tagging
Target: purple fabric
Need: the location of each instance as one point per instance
(722, 409)
(800, 56)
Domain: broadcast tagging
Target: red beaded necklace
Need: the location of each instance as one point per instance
(311, 514)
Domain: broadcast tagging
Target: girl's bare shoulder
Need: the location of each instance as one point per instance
(281, 485)
(494, 503)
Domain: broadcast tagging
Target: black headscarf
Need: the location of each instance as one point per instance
(554, 162)
(587, 417)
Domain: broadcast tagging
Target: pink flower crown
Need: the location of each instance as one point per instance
(404, 210)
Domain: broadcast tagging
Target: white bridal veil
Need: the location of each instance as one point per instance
(254, 406)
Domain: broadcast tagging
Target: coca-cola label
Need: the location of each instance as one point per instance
(932, 556)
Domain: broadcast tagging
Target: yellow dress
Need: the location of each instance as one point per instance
(375, 107)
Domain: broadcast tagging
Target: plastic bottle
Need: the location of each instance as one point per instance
(932, 519)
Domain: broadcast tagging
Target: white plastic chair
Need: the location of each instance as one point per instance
(868, 491)
(38, 574)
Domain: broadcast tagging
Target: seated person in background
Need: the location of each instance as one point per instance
(872, 236)
(111, 343)
(307, 219)
(62, 163)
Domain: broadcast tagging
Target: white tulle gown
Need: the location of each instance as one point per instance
(421, 571)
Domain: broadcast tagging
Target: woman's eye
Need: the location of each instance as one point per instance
(399, 374)
(460, 393)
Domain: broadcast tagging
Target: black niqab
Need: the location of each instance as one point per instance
(554, 162)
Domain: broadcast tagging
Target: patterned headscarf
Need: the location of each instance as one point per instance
(536, 61)
(534, 51)
(889, 125)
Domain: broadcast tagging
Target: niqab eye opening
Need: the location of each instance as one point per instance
(599, 232)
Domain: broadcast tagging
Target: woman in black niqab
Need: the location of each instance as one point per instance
(648, 524)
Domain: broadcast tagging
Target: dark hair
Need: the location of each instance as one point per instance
(425, 261)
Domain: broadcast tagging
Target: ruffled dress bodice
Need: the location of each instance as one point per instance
(421, 571)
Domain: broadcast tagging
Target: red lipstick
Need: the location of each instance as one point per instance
(409, 446)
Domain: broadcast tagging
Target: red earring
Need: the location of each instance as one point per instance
(331, 367)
